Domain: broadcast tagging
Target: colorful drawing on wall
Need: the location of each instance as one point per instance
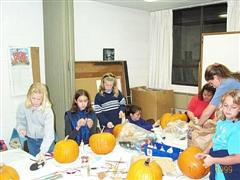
(19, 56)
(20, 70)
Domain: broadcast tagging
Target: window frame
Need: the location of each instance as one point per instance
(185, 87)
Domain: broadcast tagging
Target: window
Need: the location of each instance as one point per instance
(188, 24)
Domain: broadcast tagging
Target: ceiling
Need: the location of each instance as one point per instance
(158, 4)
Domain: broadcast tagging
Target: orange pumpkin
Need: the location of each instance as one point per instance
(190, 165)
(66, 151)
(117, 130)
(165, 119)
(168, 117)
(8, 172)
(182, 116)
(145, 170)
(102, 143)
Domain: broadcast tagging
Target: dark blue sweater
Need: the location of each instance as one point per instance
(107, 108)
(84, 132)
(142, 123)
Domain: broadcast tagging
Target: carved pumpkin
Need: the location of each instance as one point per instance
(117, 130)
(145, 170)
(102, 143)
(8, 172)
(66, 151)
(190, 165)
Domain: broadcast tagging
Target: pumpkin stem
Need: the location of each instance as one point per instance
(1, 164)
(66, 138)
(146, 163)
(124, 120)
(173, 110)
(102, 129)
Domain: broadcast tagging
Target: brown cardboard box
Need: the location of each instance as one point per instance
(154, 102)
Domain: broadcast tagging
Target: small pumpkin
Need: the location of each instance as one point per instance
(143, 169)
(102, 143)
(117, 130)
(190, 165)
(66, 151)
(8, 172)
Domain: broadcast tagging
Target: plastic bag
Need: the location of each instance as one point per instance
(201, 136)
(176, 130)
(134, 137)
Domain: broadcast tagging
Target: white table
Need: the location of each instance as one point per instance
(20, 160)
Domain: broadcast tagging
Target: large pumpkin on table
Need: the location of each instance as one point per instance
(102, 143)
(117, 130)
(66, 151)
(190, 165)
(145, 170)
(8, 172)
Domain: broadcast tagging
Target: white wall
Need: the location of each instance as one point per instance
(221, 48)
(99, 25)
(21, 25)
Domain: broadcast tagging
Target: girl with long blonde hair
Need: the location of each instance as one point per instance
(35, 121)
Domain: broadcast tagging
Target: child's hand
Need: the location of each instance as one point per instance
(110, 125)
(207, 159)
(200, 155)
(121, 115)
(23, 132)
(195, 120)
(40, 157)
(89, 123)
(81, 122)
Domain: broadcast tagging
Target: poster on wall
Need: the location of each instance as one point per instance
(20, 70)
(108, 54)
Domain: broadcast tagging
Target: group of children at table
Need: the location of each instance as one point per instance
(35, 119)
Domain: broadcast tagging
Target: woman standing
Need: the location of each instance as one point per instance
(220, 77)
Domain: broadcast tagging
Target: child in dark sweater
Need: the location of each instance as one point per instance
(80, 120)
(109, 103)
(133, 113)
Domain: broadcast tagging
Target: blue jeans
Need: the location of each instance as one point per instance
(35, 144)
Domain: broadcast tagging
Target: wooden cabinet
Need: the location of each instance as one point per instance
(89, 73)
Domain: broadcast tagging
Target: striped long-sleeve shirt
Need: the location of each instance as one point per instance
(107, 107)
